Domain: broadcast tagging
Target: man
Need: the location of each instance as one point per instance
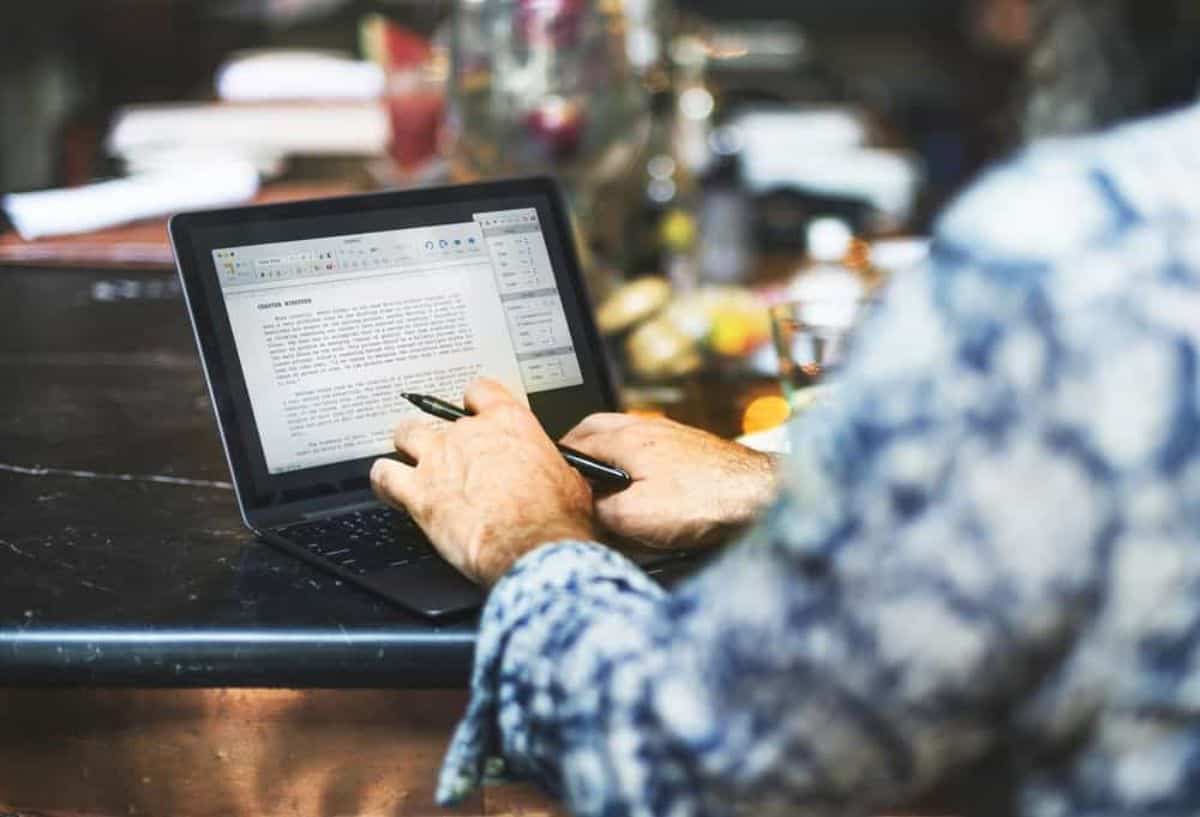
(1098, 62)
(988, 548)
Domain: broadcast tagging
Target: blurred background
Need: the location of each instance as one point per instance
(937, 77)
(723, 158)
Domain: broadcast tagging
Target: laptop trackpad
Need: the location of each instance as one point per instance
(430, 586)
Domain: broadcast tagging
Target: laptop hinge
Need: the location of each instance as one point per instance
(339, 510)
(279, 516)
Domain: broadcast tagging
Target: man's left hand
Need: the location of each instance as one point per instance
(487, 488)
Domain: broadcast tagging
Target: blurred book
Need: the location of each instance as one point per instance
(288, 74)
(264, 133)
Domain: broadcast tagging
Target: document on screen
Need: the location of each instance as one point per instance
(330, 331)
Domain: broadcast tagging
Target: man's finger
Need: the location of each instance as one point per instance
(483, 394)
(393, 483)
(413, 436)
(602, 423)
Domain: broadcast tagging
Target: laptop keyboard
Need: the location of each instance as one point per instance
(363, 542)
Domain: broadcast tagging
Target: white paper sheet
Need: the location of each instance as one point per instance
(149, 195)
(298, 75)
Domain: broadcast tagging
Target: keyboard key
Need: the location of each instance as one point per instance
(363, 541)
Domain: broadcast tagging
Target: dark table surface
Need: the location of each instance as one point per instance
(122, 556)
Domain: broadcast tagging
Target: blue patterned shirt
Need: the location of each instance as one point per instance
(988, 546)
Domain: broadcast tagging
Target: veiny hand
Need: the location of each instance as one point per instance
(488, 488)
(690, 488)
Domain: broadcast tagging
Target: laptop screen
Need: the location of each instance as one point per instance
(331, 330)
(313, 317)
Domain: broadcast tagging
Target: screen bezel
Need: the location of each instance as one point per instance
(266, 500)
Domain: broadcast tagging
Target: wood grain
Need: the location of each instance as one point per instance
(228, 753)
(143, 245)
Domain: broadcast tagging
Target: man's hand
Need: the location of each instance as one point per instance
(485, 489)
(689, 489)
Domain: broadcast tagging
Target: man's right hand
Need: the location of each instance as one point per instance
(690, 488)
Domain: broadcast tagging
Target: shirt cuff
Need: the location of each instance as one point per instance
(592, 575)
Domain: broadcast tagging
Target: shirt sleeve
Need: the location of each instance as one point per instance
(867, 636)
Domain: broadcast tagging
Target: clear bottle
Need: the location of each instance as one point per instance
(663, 225)
(827, 283)
(823, 305)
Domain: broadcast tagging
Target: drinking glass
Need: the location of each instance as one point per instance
(545, 86)
(811, 340)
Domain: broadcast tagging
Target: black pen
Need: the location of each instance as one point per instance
(593, 470)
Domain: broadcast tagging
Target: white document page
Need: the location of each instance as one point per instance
(330, 331)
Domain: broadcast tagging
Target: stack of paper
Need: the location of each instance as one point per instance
(253, 130)
(298, 75)
(96, 206)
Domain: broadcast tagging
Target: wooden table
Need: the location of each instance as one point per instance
(154, 659)
(226, 752)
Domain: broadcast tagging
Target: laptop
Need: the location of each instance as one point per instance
(311, 319)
